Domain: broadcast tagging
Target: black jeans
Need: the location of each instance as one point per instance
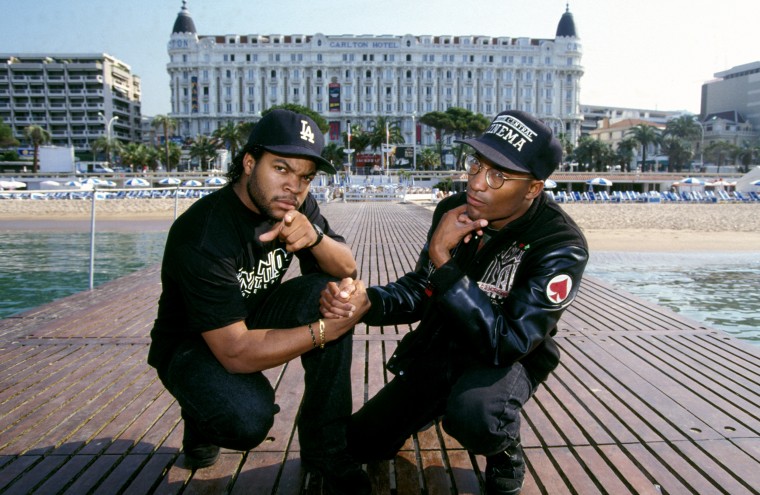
(479, 407)
(236, 411)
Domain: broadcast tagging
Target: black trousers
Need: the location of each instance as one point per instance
(480, 408)
(236, 411)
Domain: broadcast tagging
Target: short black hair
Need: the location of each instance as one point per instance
(236, 168)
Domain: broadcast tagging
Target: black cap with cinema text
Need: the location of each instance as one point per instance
(287, 133)
(518, 141)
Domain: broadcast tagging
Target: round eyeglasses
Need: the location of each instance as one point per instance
(494, 177)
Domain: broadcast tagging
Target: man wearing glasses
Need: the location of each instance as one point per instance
(501, 264)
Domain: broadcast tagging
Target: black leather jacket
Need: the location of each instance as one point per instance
(494, 306)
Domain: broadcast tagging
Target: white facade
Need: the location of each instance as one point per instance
(215, 79)
(72, 96)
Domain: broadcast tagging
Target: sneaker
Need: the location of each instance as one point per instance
(198, 452)
(505, 471)
(341, 474)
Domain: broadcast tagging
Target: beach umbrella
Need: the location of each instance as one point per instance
(49, 183)
(692, 181)
(107, 183)
(549, 184)
(599, 181)
(93, 181)
(755, 183)
(12, 184)
(192, 183)
(216, 181)
(136, 182)
(169, 181)
(72, 183)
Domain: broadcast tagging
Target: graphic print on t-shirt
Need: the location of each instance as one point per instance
(266, 272)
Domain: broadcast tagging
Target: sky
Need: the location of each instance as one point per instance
(651, 54)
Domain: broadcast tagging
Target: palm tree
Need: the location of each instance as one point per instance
(204, 149)
(678, 151)
(106, 145)
(429, 159)
(747, 152)
(333, 153)
(175, 153)
(625, 153)
(385, 131)
(36, 136)
(686, 128)
(645, 135)
(231, 135)
(594, 153)
(168, 124)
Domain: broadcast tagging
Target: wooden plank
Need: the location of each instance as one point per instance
(644, 400)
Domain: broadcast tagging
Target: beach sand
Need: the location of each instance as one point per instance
(663, 227)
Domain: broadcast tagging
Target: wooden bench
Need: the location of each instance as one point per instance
(644, 401)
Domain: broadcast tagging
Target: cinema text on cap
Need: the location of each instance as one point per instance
(518, 141)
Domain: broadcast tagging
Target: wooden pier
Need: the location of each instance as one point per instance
(643, 402)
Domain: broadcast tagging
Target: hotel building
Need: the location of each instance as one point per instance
(72, 96)
(357, 78)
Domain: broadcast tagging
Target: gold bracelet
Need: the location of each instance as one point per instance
(321, 334)
(313, 338)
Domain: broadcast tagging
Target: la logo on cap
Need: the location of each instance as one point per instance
(306, 133)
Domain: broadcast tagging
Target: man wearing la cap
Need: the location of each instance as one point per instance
(501, 264)
(225, 313)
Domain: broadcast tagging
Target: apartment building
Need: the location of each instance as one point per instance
(77, 97)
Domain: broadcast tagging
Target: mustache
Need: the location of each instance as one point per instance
(287, 198)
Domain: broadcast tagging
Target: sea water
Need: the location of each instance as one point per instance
(721, 290)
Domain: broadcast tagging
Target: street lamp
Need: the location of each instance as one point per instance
(108, 135)
(348, 150)
(414, 141)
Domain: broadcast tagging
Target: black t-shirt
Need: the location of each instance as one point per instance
(216, 272)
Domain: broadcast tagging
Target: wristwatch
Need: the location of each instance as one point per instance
(320, 235)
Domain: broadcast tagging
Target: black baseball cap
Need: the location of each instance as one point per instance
(287, 133)
(518, 141)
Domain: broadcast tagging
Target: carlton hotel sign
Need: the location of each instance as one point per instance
(375, 45)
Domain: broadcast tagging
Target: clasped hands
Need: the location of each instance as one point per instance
(348, 298)
(344, 299)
